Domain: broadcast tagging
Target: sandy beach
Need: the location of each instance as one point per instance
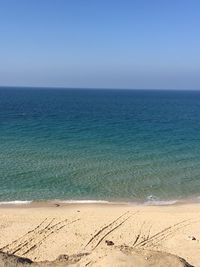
(101, 235)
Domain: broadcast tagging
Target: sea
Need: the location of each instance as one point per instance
(93, 145)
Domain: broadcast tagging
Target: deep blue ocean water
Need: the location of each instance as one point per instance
(124, 145)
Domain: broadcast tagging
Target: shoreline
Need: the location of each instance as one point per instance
(62, 202)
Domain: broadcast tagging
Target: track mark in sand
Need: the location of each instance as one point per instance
(36, 245)
(163, 234)
(139, 235)
(104, 228)
(23, 236)
(159, 236)
(29, 237)
(34, 238)
(97, 238)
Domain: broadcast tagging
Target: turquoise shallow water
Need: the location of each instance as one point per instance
(99, 144)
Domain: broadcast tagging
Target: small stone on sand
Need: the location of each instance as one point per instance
(109, 243)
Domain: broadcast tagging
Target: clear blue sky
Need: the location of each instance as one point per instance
(100, 43)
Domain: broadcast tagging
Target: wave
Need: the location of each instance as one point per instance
(155, 201)
(160, 202)
(71, 201)
(150, 201)
(16, 202)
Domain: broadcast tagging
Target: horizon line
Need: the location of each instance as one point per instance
(93, 88)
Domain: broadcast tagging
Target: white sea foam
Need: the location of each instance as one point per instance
(150, 201)
(84, 201)
(147, 203)
(16, 202)
(155, 201)
(160, 202)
